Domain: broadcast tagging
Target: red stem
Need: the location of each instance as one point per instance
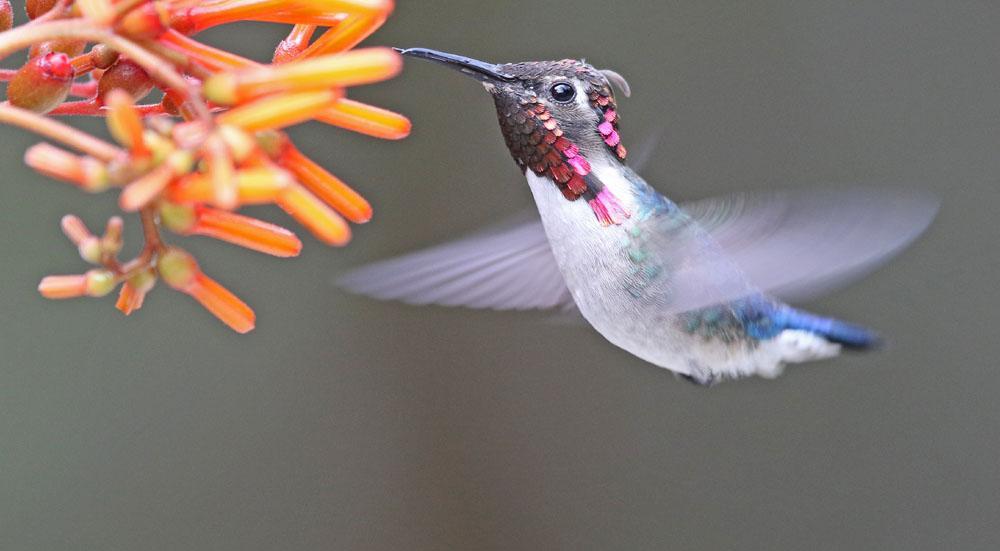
(91, 108)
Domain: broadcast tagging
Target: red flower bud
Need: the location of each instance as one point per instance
(43, 83)
(6, 15)
(127, 75)
(102, 56)
(36, 8)
(148, 20)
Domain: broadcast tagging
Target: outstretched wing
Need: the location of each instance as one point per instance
(507, 268)
(793, 244)
(799, 244)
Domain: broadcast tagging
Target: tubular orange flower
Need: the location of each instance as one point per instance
(279, 111)
(212, 58)
(297, 41)
(254, 186)
(134, 290)
(95, 283)
(314, 12)
(86, 172)
(346, 35)
(86, 243)
(63, 286)
(124, 122)
(329, 71)
(211, 145)
(75, 230)
(231, 227)
(366, 119)
(309, 211)
(180, 271)
(326, 186)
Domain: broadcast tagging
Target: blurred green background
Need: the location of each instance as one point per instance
(343, 423)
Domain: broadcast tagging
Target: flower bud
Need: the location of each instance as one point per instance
(134, 291)
(36, 8)
(148, 20)
(100, 283)
(86, 172)
(125, 123)
(170, 106)
(6, 16)
(63, 286)
(111, 241)
(90, 250)
(42, 84)
(180, 271)
(103, 56)
(69, 46)
(128, 76)
(74, 228)
(177, 268)
(177, 218)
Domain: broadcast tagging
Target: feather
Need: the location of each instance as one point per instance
(510, 267)
(800, 244)
(792, 244)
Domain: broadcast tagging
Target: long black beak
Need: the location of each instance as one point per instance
(479, 70)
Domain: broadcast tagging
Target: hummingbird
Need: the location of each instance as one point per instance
(699, 289)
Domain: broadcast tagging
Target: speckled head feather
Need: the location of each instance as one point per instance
(556, 117)
(547, 135)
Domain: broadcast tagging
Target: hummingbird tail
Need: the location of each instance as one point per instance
(846, 334)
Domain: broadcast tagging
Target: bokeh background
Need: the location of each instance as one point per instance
(342, 423)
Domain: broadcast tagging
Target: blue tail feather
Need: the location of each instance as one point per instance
(846, 334)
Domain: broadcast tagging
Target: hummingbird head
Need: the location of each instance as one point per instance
(556, 116)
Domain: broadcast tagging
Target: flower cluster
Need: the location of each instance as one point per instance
(212, 143)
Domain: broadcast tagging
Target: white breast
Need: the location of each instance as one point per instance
(593, 258)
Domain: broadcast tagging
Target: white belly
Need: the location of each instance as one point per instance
(593, 258)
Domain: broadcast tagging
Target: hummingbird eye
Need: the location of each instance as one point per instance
(563, 92)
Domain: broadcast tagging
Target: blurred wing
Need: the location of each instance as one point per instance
(792, 244)
(508, 268)
(800, 244)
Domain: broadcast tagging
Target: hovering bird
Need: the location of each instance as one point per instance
(692, 288)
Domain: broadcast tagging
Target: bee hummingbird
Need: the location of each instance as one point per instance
(693, 288)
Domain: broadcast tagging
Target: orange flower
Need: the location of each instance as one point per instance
(315, 12)
(86, 172)
(95, 283)
(309, 211)
(254, 186)
(345, 35)
(318, 73)
(366, 119)
(180, 271)
(231, 227)
(326, 186)
(124, 122)
(211, 145)
(297, 41)
(279, 111)
(133, 291)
